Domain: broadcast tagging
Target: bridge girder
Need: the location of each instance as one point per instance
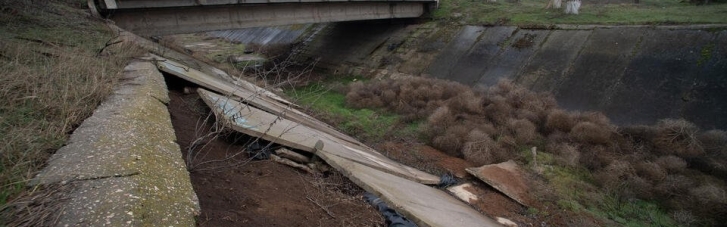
(162, 20)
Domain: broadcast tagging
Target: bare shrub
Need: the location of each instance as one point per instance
(614, 175)
(502, 87)
(388, 96)
(684, 217)
(498, 111)
(439, 121)
(651, 171)
(507, 142)
(595, 157)
(517, 96)
(528, 115)
(678, 137)
(559, 120)
(709, 193)
(558, 137)
(539, 104)
(480, 148)
(523, 131)
(673, 185)
(490, 125)
(595, 117)
(714, 142)
(715, 166)
(487, 128)
(588, 132)
(672, 164)
(638, 133)
(448, 144)
(567, 155)
(466, 102)
(415, 97)
(637, 187)
(355, 94)
(452, 141)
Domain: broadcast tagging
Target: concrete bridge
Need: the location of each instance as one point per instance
(164, 17)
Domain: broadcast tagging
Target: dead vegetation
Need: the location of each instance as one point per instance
(671, 162)
(56, 66)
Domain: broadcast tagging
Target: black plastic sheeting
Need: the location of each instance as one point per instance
(393, 218)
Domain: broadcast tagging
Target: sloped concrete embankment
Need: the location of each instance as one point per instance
(122, 163)
(265, 35)
(634, 74)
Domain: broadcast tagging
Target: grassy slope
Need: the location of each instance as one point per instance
(365, 124)
(532, 12)
(52, 77)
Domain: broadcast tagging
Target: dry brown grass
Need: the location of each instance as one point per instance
(587, 132)
(53, 74)
(672, 164)
(638, 133)
(559, 120)
(677, 137)
(452, 140)
(566, 154)
(651, 171)
(480, 148)
(674, 185)
(614, 175)
(714, 142)
(523, 130)
(709, 193)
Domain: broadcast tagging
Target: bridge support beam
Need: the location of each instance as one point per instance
(165, 21)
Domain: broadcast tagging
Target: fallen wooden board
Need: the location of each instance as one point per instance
(424, 205)
(461, 191)
(252, 121)
(252, 97)
(507, 178)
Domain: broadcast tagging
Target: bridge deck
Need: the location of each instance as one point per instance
(141, 4)
(164, 17)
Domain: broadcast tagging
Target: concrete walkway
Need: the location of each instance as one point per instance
(123, 164)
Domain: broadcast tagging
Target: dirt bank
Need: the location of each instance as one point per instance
(244, 192)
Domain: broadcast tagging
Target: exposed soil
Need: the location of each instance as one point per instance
(246, 192)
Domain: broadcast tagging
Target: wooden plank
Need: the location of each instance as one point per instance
(507, 178)
(424, 205)
(255, 98)
(252, 121)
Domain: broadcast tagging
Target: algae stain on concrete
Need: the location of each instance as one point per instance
(706, 54)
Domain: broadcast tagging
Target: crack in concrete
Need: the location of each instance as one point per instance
(105, 177)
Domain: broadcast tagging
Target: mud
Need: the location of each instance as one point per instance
(234, 190)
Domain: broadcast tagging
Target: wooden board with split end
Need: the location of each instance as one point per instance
(463, 193)
(507, 178)
(252, 121)
(248, 93)
(424, 205)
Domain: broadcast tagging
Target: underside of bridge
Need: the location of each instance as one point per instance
(150, 18)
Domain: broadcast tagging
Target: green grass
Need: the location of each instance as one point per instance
(361, 123)
(365, 124)
(533, 12)
(576, 193)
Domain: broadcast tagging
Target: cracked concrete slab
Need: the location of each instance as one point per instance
(124, 162)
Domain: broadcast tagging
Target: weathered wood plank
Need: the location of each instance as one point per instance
(252, 121)
(253, 97)
(424, 205)
(507, 178)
